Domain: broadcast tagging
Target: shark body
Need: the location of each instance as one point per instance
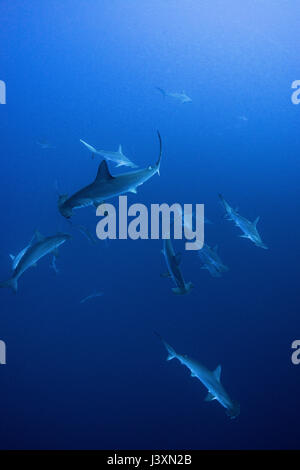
(210, 379)
(16, 259)
(91, 296)
(212, 261)
(107, 186)
(45, 145)
(116, 157)
(38, 248)
(174, 271)
(182, 97)
(248, 228)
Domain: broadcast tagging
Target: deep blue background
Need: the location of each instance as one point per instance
(93, 375)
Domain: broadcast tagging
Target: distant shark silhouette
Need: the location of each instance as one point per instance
(116, 157)
(174, 272)
(182, 97)
(248, 228)
(39, 247)
(212, 261)
(210, 379)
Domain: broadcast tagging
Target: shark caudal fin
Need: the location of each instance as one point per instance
(161, 91)
(234, 411)
(171, 351)
(61, 199)
(160, 152)
(11, 283)
(222, 200)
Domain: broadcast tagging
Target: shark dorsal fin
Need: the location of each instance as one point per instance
(103, 173)
(38, 236)
(120, 149)
(256, 220)
(217, 372)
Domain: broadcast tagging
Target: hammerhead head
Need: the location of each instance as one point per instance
(107, 186)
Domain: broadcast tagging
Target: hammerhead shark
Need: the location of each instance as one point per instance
(210, 379)
(39, 247)
(107, 186)
(212, 261)
(116, 157)
(174, 272)
(182, 97)
(248, 228)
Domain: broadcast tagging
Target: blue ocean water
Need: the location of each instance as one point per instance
(93, 375)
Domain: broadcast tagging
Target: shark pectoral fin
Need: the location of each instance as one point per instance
(178, 258)
(55, 252)
(133, 190)
(210, 397)
(103, 173)
(12, 257)
(217, 372)
(167, 274)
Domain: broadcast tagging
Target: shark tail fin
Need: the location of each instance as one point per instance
(171, 351)
(11, 283)
(234, 411)
(61, 199)
(160, 152)
(161, 91)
